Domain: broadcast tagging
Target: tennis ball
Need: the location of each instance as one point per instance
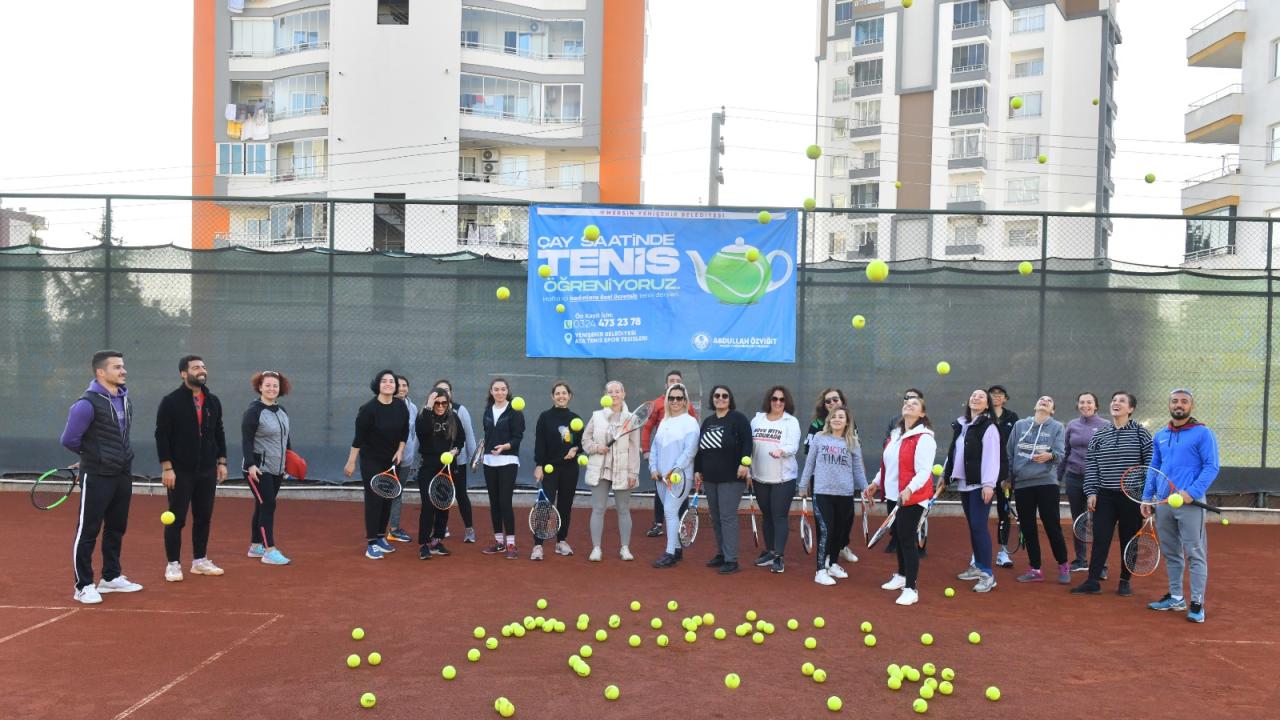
(810, 204)
(1025, 268)
(720, 634)
(895, 682)
(865, 626)
(656, 623)
(761, 624)
(945, 687)
(518, 630)
(1016, 103)
(560, 626)
(948, 674)
(584, 618)
(591, 232)
(1175, 501)
(503, 292)
(1042, 159)
(1150, 178)
(491, 643)
(542, 602)
(920, 705)
(676, 479)
(742, 630)
(906, 3)
(353, 661)
(548, 468)
(614, 621)
(375, 658)
(687, 624)
(819, 622)
(368, 700)
(508, 708)
(634, 641)
(993, 693)
(819, 675)
(1095, 101)
(768, 628)
(517, 403)
(937, 470)
(859, 322)
(449, 672)
(869, 640)
(949, 592)
(764, 217)
(575, 424)
(708, 619)
(944, 368)
(574, 661)
(663, 640)
(506, 631)
(912, 674)
(807, 669)
(611, 692)
(585, 651)
(478, 632)
(926, 639)
(931, 682)
(732, 681)
(813, 152)
(975, 638)
(357, 634)
(810, 643)
(691, 637)
(499, 702)
(834, 703)
(672, 605)
(583, 460)
(793, 624)
(601, 635)
(473, 655)
(1226, 521)
(929, 669)
(745, 461)
(606, 401)
(877, 270)
(893, 669)
(559, 307)
(757, 638)
(751, 615)
(926, 692)
(897, 184)
(167, 518)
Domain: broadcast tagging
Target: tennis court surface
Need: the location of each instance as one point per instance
(272, 642)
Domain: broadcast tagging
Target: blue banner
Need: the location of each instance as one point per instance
(661, 284)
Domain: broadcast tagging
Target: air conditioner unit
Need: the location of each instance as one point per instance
(849, 70)
(982, 219)
(489, 168)
(490, 155)
(534, 26)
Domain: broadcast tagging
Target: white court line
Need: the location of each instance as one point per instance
(207, 661)
(141, 610)
(71, 611)
(1234, 642)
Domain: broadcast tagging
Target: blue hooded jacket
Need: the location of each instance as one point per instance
(1188, 455)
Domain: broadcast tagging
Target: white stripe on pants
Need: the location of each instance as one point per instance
(1184, 542)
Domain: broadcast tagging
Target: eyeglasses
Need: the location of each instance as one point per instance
(676, 398)
(832, 400)
(721, 396)
(775, 398)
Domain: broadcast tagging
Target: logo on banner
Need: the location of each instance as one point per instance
(701, 341)
(736, 279)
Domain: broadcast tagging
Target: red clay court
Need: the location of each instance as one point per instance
(271, 642)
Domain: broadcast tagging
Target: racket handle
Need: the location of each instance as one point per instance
(1206, 506)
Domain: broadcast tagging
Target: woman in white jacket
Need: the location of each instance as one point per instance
(615, 467)
(671, 465)
(775, 438)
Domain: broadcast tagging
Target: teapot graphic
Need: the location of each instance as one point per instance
(736, 279)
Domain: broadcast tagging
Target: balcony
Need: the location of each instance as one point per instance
(278, 58)
(515, 42)
(517, 123)
(263, 241)
(863, 128)
(968, 116)
(974, 28)
(1218, 40)
(1215, 189)
(471, 186)
(862, 88)
(860, 169)
(972, 160)
(966, 199)
(1216, 118)
(970, 73)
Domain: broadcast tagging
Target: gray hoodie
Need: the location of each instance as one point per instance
(1028, 439)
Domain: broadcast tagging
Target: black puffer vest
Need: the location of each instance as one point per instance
(972, 449)
(104, 450)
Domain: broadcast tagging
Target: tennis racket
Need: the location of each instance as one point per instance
(1014, 544)
(806, 526)
(752, 509)
(386, 484)
(884, 527)
(866, 531)
(440, 490)
(54, 487)
(1082, 527)
(634, 422)
(1134, 482)
(475, 461)
(544, 519)
(922, 527)
(689, 522)
(1142, 552)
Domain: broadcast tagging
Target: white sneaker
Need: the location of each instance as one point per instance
(87, 595)
(562, 548)
(986, 583)
(625, 554)
(173, 572)
(908, 597)
(120, 584)
(847, 555)
(536, 553)
(1003, 559)
(836, 571)
(822, 578)
(204, 566)
(897, 582)
(595, 555)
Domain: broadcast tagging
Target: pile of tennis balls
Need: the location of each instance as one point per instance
(368, 699)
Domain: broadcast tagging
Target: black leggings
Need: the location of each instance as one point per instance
(262, 527)
(1113, 508)
(833, 516)
(500, 482)
(463, 499)
(904, 532)
(561, 486)
(1042, 499)
(774, 500)
(194, 489)
(432, 521)
(377, 509)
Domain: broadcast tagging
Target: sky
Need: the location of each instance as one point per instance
(121, 123)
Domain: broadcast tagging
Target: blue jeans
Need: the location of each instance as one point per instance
(976, 513)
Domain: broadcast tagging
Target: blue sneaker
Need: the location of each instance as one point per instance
(400, 536)
(255, 550)
(373, 552)
(1196, 613)
(274, 557)
(1168, 603)
(385, 546)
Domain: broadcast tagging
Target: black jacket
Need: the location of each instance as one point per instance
(722, 443)
(509, 429)
(104, 450)
(1005, 426)
(549, 437)
(180, 440)
(972, 451)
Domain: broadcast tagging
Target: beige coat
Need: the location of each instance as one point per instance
(604, 425)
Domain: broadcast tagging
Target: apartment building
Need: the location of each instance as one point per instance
(477, 100)
(916, 107)
(1242, 120)
(19, 227)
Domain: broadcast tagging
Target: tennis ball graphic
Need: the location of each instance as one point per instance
(738, 274)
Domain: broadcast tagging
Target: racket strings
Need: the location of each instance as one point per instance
(1142, 554)
(544, 521)
(441, 492)
(385, 486)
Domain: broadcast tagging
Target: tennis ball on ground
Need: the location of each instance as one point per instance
(813, 152)
(810, 643)
(585, 651)
(1016, 103)
(1225, 521)
(542, 602)
(949, 592)
(720, 634)
(473, 655)
(672, 605)
(993, 693)
(761, 625)
(583, 460)
(518, 631)
(687, 624)
(584, 618)
(548, 468)
(353, 661)
(807, 669)
(656, 623)
(948, 674)
(926, 692)
(591, 232)
(583, 670)
(368, 700)
(929, 669)
(601, 635)
(1175, 501)
(663, 640)
(539, 622)
(544, 271)
(895, 682)
(745, 461)
(507, 710)
(893, 669)
(819, 622)
(975, 638)
(634, 641)
(559, 307)
(865, 626)
(167, 518)
(757, 638)
(920, 705)
(742, 630)
(1025, 268)
(1042, 159)
(793, 624)
(764, 217)
(877, 270)
(499, 702)
(574, 661)
(751, 615)
(912, 674)
(375, 658)
(869, 640)
(517, 403)
(491, 643)
(944, 368)
(559, 626)
(732, 681)
(768, 628)
(819, 675)
(691, 637)
(810, 204)
(611, 692)
(708, 619)
(859, 322)
(503, 292)
(1150, 178)
(478, 632)
(575, 424)
(449, 672)
(945, 687)
(834, 703)
(606, 401)
(357, 634)
(506, 631)
(614, 621)
(926, 639)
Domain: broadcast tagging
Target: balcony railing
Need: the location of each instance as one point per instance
(970, 24)
(963, 195)
(518, 52)
(1230, 8)
(520, 117)
(289, 113)
(1230, 166)
(876, 40)
(1231, 89)
(868, 83)
(276, 52)
(1203, 253)
(968, 68)
(294, 175)
(259, 240)
(963, 112)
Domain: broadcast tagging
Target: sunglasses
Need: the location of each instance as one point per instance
(676, 398)
(831, 400)
(721, 396)
(910, 397)
(776, 398)
(270, 373)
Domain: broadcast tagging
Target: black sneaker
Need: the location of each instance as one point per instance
(778, 565)
(1104, 574)
(1124, 590)
(728, 568)
(765, 559)
(495, 549)
(438, 548)
(424, 552)
(667, 560)
(679, 554)
(655, 531)
(717, 561)
(1088, 587)
(1079, 566)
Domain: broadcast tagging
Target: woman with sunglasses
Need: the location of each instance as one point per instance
(724, 440)
(438, 431)
(264, 435)
(611, 467)
(556, 445)
(671, 466)
(834, 464)
(382, 425)
(906, 474)
(775, 434)
(503, 431)
(830, 399)
(462, 461)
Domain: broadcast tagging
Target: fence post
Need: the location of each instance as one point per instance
(801, 263)
(328, 353)
(1266, 366)
(106, 284)
(1044, 280)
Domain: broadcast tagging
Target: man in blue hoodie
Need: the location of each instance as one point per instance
(1187, 452)
(98, 431)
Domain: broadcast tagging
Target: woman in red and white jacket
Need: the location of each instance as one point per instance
(906, 474)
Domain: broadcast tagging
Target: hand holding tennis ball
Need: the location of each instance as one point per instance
(167, 518)
(503, 292)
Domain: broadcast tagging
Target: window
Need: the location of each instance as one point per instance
(840, 89)
(1273, 143)
(966, 192)
(868, 72)
(251, 37)
(1211, 236)
(470, 38)
(299, 223)
(1028, 19)
(866, 113)
(840, 127)
(864, 239)
(467, 168)
(299, 31)
(840, 49)
(1030, 106)
(298, 95)
(300, 159)
(1024, 147)
(839, 166)
(1026, 190)
(870, 160)
(836, 244)
(562, 103)
(388, 224)
(865, 195)
(966, 144)
(868, 32)
(242, 158)
(1030, 65)
(964, 232)
(1023, 233)
(256, 158)
(500, 97)
(844, 11)
(969, 14)
(839, 200)
(572, 174)
(573, 49)
(969, 101)
(393, 12)
(514, 170)
(968, 57)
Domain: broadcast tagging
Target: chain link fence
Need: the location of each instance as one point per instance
(330, 291)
